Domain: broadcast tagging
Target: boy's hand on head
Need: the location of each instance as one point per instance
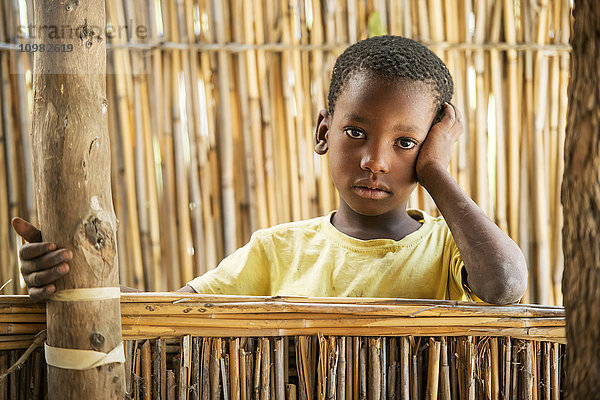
(42, 263)
(436, 150)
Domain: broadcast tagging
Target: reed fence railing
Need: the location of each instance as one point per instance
(182, 346)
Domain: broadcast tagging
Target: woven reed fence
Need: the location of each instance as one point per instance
(234, 347)
(212, 106)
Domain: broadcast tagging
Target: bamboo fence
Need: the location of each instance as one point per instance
(212, 106)
(234, 347)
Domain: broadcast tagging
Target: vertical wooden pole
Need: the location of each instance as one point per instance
(72, 179)
(581, 207)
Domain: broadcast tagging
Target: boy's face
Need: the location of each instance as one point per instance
(373, 141)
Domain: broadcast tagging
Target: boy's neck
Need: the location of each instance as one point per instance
(393, 225)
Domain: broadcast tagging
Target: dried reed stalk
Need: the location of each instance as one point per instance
(341, 368)
(433, 373)
(279, 368)
(265, 363)
(405, 368)
(444, 392)
(470, 356)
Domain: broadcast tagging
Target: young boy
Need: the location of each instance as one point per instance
(389, 125)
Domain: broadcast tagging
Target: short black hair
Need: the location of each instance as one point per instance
(392, 57)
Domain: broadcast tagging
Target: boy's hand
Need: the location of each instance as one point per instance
(436, 151)
(41, 262)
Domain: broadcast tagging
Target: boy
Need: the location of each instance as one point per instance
(389, 125)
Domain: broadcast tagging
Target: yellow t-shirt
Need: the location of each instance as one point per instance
(312, 258)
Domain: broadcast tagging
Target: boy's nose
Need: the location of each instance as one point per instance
(375, 159)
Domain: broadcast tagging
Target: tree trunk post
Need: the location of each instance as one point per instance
(581, 206)
(72, 178)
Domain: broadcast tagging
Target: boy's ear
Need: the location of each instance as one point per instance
(321, 133)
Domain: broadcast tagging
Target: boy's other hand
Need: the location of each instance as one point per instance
(42, 263)
(436, 150)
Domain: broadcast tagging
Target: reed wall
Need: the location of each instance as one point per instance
(212, 107)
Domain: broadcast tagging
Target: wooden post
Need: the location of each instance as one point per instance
(72, 179)
(581, 206)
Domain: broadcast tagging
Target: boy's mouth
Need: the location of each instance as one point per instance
(371, 190)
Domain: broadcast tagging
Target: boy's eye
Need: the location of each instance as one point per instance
(405, 143)
(354, 133)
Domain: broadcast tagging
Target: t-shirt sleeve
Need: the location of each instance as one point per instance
(457, 288)
(244, 272)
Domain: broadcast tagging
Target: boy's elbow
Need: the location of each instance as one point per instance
(509, 285)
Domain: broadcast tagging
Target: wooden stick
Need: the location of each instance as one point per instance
(171, 386)
(136, 373)
(257, 371)
(362, 359)
(322, 368)
(185, 366)
(226, 140)
(414, 370)
(214, 368)
(495, 369)
(205, 369)
(445, 393)
(555, 375)
(279, 368)
(195, 384)
(351, 371)
(224, 364)
(515, 372)
(392, 369)
(470, 360)
(243, 374)
(405, 368)
(4, 209)
(290, 391)
(356, 367)
(332, 368)
(302, 367)
(433, 370)
(250, 376)
(507, 368)
(562, 121)
(146, 371)
(115, 13)
(527, 373)
(341, 367)
(546, 382)
(484, 367)
(86, 224)
(234, 369)
(374, 390)
(383, 363)
(265, 390)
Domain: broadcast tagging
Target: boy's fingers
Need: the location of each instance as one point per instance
(26, 230)
(458, 122)
(46, 261)
(459, 117)
(43, 293)
(34, 250)
(44, 278)
(447, 120)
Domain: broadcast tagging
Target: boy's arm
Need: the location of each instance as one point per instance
(495, 265)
